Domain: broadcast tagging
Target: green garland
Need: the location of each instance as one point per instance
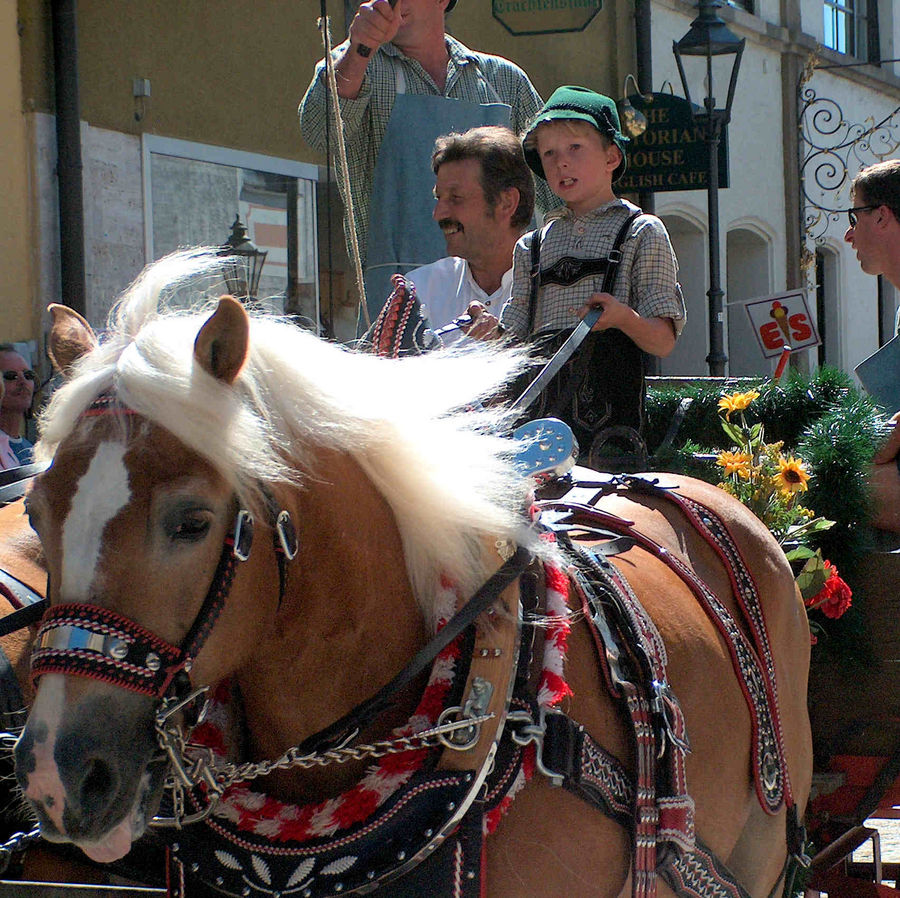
(826, 420)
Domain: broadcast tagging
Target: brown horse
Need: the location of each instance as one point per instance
(21, 557)
(174, 423)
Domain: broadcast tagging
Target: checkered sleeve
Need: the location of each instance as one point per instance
(655, 291)
(514, 316)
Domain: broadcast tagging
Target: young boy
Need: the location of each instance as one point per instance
(576, 145)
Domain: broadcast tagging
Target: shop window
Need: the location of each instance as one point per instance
(193, 192)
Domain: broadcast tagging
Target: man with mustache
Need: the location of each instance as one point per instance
(485, 199)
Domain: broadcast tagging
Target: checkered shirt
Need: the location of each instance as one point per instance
(646, 280)
(471, 76)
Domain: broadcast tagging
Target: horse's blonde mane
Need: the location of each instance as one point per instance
(410, 424)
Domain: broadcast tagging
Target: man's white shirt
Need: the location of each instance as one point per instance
(446, 288)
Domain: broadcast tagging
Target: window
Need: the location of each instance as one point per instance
(828, 309)
(851, 27)
(887, 311)
(741, 4)
(193, 192)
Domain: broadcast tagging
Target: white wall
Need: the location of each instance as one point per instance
(858, 107)
(113, 213)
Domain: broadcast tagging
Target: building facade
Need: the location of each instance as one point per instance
(187, 118)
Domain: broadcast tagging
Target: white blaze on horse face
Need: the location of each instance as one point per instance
(45, 787)
(102, 492)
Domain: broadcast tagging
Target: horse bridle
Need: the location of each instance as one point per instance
(94, 642)
(90, 641)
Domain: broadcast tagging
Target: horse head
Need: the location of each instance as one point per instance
(168, 440)
(135, 526)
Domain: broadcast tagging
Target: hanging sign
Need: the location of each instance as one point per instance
(782, 319)
(672, 154)
(522, 17)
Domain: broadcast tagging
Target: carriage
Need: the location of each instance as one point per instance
(230, 506)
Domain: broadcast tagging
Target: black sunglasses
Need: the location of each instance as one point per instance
(12, 375)
(851, 213)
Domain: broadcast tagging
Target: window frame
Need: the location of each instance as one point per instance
(203, 152)
(862, 17)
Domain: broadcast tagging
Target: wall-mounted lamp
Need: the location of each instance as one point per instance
(242, 262)
(634, 122)
(140, 90)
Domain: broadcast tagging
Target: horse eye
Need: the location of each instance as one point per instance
(190, 528)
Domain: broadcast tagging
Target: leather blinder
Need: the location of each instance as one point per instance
(243, 535)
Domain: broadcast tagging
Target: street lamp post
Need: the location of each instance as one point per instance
(710, 38)
(242, 261)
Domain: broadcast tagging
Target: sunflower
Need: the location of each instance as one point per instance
(735, 463)
(737, 402)
(791, 476)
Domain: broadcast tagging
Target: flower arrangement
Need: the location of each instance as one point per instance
(772, 484)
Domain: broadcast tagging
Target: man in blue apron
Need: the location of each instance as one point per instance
(402, 83)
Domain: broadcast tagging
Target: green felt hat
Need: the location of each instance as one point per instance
(585, 105)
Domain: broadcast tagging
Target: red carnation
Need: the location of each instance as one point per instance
(835, 597)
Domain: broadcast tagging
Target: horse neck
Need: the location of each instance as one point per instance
(347, 624)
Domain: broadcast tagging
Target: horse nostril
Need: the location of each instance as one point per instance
(97, 784)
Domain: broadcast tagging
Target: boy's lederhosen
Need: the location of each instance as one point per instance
(602, 386)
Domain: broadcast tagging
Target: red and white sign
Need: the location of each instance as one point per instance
(782, 320)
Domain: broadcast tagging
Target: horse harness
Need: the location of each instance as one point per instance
(492, 734)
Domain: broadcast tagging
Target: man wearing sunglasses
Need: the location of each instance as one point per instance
(874, 234)
(18, 383)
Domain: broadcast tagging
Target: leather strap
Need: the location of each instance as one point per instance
(588, 770)
(365, 712)
(14, 482)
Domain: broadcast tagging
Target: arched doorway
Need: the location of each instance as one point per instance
(828, 310)
(748, 255)
(689, 242)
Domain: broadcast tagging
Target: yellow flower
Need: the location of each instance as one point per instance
(791, 476)
(735, 463)
(737, 402)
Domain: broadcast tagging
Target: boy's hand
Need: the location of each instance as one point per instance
(615, 313)
(653, 335)
(484, 326)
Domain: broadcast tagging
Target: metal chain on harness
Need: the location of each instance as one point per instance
(17, 841)
(195, 766)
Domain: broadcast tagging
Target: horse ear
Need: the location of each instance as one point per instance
(71, 337)
(221, 346)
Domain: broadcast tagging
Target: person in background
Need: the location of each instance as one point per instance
(485, 200)
(402, 82)
(874, 234)
(8, 458)
(19, 382)
(576, 144)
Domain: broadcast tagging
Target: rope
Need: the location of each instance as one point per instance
(343, 170)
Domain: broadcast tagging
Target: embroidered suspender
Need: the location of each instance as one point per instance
(568, 270)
